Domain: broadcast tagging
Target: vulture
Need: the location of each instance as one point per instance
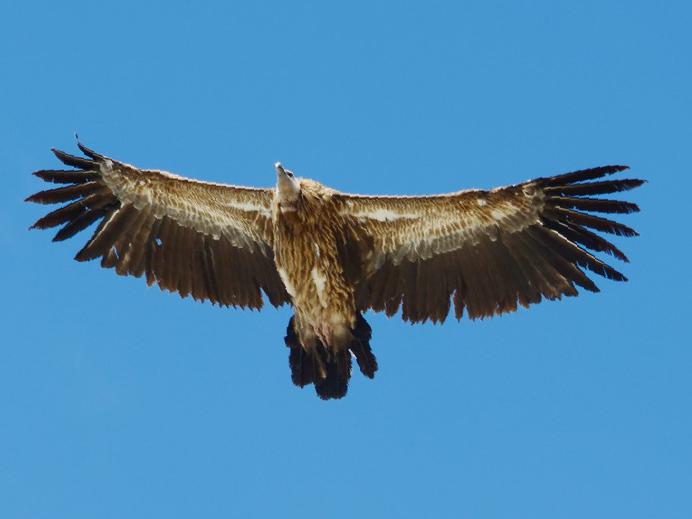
(332, 256)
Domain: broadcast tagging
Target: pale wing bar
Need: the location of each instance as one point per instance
(489, 251)
(210, 241)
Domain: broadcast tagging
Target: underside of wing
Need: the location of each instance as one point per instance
(210, 241)
(488, 252)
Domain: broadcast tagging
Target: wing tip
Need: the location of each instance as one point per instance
(582, 175)
(74, 161)
(88, 151)
(35, 198)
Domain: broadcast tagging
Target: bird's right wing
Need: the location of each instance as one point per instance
(210, 241)
(488, 251)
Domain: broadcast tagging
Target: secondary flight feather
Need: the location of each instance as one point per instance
(332, 256)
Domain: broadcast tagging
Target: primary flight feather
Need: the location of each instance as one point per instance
(333, 255)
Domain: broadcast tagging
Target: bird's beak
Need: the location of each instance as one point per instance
(280, 171)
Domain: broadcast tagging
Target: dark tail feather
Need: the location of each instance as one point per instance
(338, 369)
(361, 347)
(303, 366)
(308, 367)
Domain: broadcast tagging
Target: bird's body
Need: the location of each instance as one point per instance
(333, 255)
(308, 261)
(320, 255)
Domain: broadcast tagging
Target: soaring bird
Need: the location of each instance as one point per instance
(333, 255)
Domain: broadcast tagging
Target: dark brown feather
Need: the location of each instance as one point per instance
(599, 205)
(303, 370)
(61, 176)
(71, 211)
(360, 346)
(152, 250)
(141, 242)
(208, 271)
(158, 264)
(594, 188)
(549, 280)
(171, 257)
(60, 216)
(120, 246)
(183, 264)
(75, 162)
(525, 293)
(64, 194)
(581, 257)
(130, 247)
(579, 234)
(110, 258)
(105, 236)
(499, 271)
(80, 223)
(587, 220)
(459, 305)
(90, 153)
(581, 175)
(123, 242)
(570, 274)
(481, 297)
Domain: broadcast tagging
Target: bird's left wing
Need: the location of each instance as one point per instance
(487, 251)
(210, 241)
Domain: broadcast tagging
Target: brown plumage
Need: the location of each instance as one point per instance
(333, 255)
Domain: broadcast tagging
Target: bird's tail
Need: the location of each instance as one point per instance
(330, 371)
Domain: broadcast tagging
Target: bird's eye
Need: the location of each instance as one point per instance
(290, 174)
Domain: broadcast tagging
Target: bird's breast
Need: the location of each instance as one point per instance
(304, 256)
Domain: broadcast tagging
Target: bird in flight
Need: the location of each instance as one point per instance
(332, 256)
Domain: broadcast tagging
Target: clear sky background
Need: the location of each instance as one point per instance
(118, 400)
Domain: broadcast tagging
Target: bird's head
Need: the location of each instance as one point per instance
(287, 185)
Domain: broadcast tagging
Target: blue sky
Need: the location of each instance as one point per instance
(119, 400)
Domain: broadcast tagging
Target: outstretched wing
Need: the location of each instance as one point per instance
(210, 241)
(488, 251)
